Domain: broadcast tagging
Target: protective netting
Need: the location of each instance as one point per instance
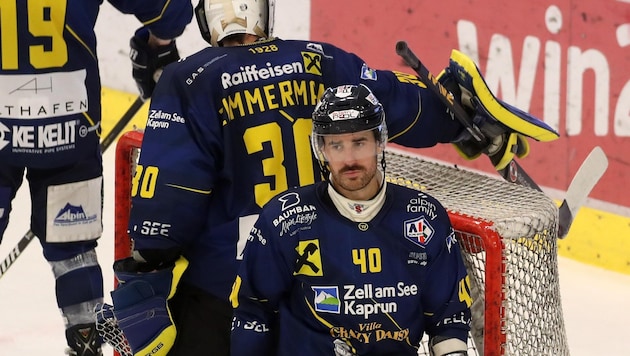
(107, 327)
(512, 259)
(508, 235)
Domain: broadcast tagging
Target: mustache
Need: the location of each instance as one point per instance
(351, 168)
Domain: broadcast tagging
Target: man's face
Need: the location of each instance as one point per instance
(352, 160)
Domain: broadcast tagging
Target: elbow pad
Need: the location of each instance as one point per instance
(447, 347)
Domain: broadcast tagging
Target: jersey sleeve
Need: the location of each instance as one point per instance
(415, 115)
(165, 18)
(178, 166)
(264, 276)
(447, 298)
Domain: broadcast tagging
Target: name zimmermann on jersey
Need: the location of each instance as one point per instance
(273, 96)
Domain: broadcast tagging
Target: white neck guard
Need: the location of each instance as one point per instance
(358, 210)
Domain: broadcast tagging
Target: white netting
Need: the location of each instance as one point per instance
(107, 327)
(527, 293)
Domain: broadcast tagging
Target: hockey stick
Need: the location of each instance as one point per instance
(583, 182)
(513, 172)
(589, 173)
(120, 125)
(107, 141)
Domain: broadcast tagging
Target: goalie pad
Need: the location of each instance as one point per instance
(504, 125)
(141, 306)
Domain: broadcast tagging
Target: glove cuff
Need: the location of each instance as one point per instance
(163, 281)
(142, 33)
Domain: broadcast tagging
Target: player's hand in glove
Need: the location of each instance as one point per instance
(149, 55)
(505, 127)
(141, 304)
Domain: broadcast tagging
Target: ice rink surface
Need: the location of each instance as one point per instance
(596, 302)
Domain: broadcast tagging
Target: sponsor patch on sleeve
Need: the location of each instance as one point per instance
(368, 73)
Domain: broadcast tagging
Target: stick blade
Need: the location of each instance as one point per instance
(589, 173)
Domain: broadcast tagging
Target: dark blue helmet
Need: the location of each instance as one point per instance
(347, 109)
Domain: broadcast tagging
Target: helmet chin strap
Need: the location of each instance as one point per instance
(383, 164)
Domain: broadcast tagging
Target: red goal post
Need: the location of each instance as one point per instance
(508, 235)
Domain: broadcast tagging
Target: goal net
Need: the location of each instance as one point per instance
(508, 235)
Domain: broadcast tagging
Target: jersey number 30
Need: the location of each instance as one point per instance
(273, 166)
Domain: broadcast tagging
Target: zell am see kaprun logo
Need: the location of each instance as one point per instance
(73, 215)
(327, 299)
(365, 300)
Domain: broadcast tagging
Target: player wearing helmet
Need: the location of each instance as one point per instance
(348, 268)
(228, 130)
(349, 109)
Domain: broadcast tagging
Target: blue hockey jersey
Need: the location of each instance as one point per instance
(50, 108)
(315, 277)
(229, 128)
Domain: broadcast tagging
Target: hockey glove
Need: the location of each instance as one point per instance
(141, 305)
(504, 126)
(147, 61)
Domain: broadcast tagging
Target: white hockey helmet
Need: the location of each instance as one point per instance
(218, 19)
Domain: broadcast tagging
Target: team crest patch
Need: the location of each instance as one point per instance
(327, 299)
(419, 231)
(368, 73)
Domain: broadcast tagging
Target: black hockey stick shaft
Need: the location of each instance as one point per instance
(16, 252)
(107, 141)
(513, 172)
(120, 125)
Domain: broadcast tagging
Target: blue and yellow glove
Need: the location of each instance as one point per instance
(141, 305)
(504, 126)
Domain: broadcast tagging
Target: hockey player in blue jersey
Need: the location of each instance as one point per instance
(345, 266)
(227, 130)
(50, 121)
